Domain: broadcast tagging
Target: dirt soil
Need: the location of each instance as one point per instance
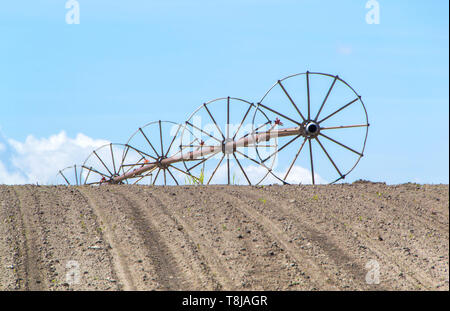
(360, 236)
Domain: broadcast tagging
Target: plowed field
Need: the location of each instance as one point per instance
(360, 236)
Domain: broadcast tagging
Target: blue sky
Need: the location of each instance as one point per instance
(131, 62)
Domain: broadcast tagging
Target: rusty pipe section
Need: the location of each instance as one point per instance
(207, 150)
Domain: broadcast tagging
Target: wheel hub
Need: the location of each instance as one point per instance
(228, 148)
(312, 129)
(159, 164)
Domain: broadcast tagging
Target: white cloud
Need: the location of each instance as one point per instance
(300, 175)
(13, 178)
(344, 49)
(37, 160)
(297, 175)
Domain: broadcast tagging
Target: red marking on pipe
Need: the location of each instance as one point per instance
(278, 122)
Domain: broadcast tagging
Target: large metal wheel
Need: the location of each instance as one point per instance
(212, 148)
(68, 176)
(332, 125)
(108, 162)
(158, 141)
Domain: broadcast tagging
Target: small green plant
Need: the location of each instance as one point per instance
(192, 180)
(224, 227)
(315, 197)
(201, 177)
(263, 201)
(294, 283)
(379, 194)
(188, 180)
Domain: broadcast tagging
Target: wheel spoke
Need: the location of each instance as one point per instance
(243, 119)
(307, 92)
(295, 159)
(239, 163)
(124, 155)
(343, 126)
(326, 97)
(161, 139)
(121, 168)
(228, 168)
(170, 173)
(331, 160)
(130, 166)
(280, 114)
(212, 118)
(181, 171)
(154, 180)
(141, 153)
(95, 171)
(112, 157)
(246, 156)
(174, 137)
(312, 162)
(256, 130)
(103, 163)
(340, 144)
(87, 176)
(210, 178)
(289, 142)
(149, 173)
(290, 99)
(138, 180)
(76, 175)
(340, 109)
(148, 141)
(139, 163)
(193, 126)
(68, 183)
(228, 117)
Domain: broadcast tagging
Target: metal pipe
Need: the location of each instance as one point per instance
(202, 151)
